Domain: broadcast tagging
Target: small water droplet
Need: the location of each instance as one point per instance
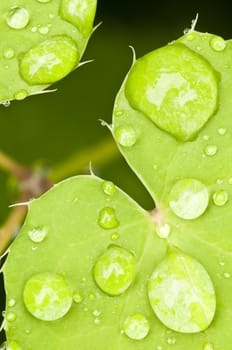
(136, 326)
(17, 17)
(97, 321)
(126, 135)
(37, 235)
(43, 30)
(189, 199)
(114, 270)
(11, 316)
(206, 137)
(208, 346)
(171, 341)
(11, 302)
(47, 296)
(217, 43)
(92, 296)
(34, 29)
(108, 188)
(219, 182)
(86, 309)
(230, 181)
(118, 112)
(190, 37)
(220, 198)
(20, 95)
(159, 347)
(49, 61)
(13, 345)
(77, 298)
(8, 53)
(222, 131)
(211, 150)
(27, 331)
(227, 275)
(6, 103)
(222, 263)
(96, 313)
(115, 236)
(107, 218)
(43, 1)
(164, 231)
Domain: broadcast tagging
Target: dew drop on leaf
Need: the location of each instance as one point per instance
(47, 296)
(20, 95)
(43, 1)
(17, 17)
(115, 236)
(43, 30)
(136, 326)
(208, 346)
(211, 150)
(108, 188)
(8, 53)
(37, 235)
(171, 340)
(11, 316)
(114, 271)
(220, 198)
(181, 294)
(80, 13)
(11, 302)
(217, 43)
(174, 87)
(164, 231)
(49, 61)
(189, 198)
(126, 135)
(107, 218)
(77, 298)
(226, 275)
(222, 131)
(118, 112)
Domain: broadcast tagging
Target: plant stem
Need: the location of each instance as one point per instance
(77, 163)
(10, 165)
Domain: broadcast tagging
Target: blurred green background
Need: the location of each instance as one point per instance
(48, 128)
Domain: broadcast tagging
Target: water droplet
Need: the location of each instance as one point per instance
(115, 236)
(43, 30)
(230, 181)
(220, 198)
(219, 181)
(222, 263)
(11, 317)
(108, 188)
(160, 86)
(171, 341)
(208, 346)
(164, 231)
(114, 270)
(206, 137)
(181, 293)
(107, 219)
(96, 313)
(217, 43)
(13, 345)
(227, 275)
(118, 112)
(136, 326)
(27, 331)
(91, 296)
(34, 29)
(6, 103)
(47, 296)
(97, 321)
(189, 198)
(17, 17)
(222, 131)
(190, 37)
(43, 1)
(37, 235)
(126, 135)
(8, 53)
(20, 95)
(211, 150)
(159, 347)
(77, 298)
(11, 302)
(49, 61)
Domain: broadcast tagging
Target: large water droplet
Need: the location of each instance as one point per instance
(47, 296)
(136, 326)
(114, 270)
(220, 198)
(178, 96)
(8, 53)
(17, 17)
(49, 61)
(208, 346)
(211, 150)
(181, 294)
(37, 235)
(126, 135)
(108, 188)
(217, 43)
(189, 198)
(80, 13)
(107, 218)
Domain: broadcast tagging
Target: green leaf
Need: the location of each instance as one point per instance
(41, 41)
(190, 180)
